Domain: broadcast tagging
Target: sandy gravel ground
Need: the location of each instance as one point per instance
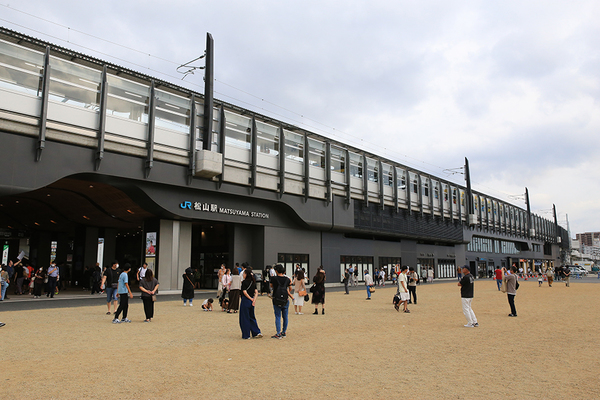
(359, 349)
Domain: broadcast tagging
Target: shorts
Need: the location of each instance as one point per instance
(404, 296)
(111, 294)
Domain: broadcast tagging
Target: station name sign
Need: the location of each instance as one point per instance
(214, 208)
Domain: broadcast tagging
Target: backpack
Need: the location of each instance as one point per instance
(280, 294)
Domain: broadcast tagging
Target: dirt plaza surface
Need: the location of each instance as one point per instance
(358, 349)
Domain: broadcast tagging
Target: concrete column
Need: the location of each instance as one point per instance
(174, 252)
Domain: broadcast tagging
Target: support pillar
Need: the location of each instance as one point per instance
(174, 252)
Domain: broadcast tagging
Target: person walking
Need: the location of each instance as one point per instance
(141, 272)
(355, 276)
(187, 291)
(52, 279)
(299, 291)
(345, 279)
(110, 283)
(498, 277)
(38, 283)
(511, 288)
(351, 275)
(149, 288)
(222, 271)
(413, 279)
(19, 278)
(124, 295)
(248, 324)
(549, 276)
(430, 275)
(234, 291)
(466, 285)
(368, 283)
(567, 276)
(318, 296)
(281, 289)
(403, 293)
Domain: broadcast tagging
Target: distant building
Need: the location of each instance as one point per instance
(589, 238)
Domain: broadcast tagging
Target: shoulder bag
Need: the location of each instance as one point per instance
(503, 286)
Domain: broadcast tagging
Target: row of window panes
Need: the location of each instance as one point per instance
(289, 262)
(446, 268)
(487, 245)
(21, 69)
(361, 263)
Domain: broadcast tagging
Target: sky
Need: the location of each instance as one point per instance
(513, 86)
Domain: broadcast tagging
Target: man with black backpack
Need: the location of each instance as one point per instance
(281, 292)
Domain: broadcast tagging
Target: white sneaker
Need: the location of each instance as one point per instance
(184, 304)
(191, 305)
(300, 313)
(468, 326)
(126, 320)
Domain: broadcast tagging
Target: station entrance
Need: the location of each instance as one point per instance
(210, 249)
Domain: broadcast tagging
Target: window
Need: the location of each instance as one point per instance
(289, 262)
(21, 69)
(172, 112)
(401, 179)
(267, 139)
(356, 165)
(237, 130)
(388, 264)
(127, 99)
(316, 153)
(446, 268)
(338, 159)
(294, 146)
(74, 84)
(387, 174)
(361, 263)
(372, 170)
(426, 189)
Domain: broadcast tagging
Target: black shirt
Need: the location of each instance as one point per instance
(249, 286)
(277, 281)
(466, 286)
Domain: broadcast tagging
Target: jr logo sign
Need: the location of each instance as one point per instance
(186, 204)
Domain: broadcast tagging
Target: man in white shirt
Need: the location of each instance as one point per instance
(403, 289)
(141, 273)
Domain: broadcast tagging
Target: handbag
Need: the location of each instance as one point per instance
(313, 288)
(306, 297)
(302, 293)
(504, 286)
(154, 298)
(372, 289)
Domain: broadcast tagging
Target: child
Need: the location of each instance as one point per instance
(207, 305)
(225, 305)
(540, 279)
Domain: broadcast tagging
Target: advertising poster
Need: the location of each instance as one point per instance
(150, 244)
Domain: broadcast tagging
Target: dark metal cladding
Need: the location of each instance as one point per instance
(102, 124)
(209, 76)
(44, 107)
